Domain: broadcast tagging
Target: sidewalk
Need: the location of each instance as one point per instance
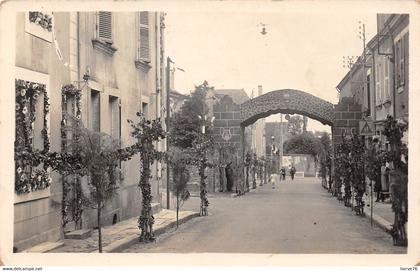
(124, 234)
(383, 216)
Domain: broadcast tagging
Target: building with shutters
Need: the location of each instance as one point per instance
(382, 86)
(122, 56)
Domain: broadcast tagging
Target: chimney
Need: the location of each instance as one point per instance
(259, 90)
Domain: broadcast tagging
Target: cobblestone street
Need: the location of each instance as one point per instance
(295, 217)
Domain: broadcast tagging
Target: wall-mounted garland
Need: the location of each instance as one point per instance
(28, 178)
(41, 19)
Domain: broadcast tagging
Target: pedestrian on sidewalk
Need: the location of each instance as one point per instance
(384, 180)
(292, 172)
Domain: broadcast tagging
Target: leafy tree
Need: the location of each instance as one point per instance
(185, 126)
(305, 143)
(99, 153)
(178, 161)
(295, 125)
(186, 133)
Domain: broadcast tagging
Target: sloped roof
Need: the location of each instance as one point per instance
(238, 95)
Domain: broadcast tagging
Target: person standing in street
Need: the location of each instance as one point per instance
(292, 172)
(274, 178)
(283, 173)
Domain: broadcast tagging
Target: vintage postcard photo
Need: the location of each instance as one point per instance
(267, 129)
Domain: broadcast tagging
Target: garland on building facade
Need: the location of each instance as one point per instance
(41, 19)
(28, 178)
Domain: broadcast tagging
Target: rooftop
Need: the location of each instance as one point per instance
(238, 95)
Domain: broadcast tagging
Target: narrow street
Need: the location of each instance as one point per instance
(295, 217)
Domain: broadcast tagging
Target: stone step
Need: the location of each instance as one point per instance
(78, 234)
(44, 247)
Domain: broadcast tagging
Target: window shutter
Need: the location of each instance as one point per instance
(105, 26)
(144, 51)
(397, 64)
(406, 57)
(386, 79)
(378, 84)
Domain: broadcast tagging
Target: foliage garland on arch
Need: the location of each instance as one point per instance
(29, 179)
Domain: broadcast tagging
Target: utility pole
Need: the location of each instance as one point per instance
(168, 89)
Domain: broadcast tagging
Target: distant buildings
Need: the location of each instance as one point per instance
(121, 57)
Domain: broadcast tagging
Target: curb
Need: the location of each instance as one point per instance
(130, 240)
(380, 222)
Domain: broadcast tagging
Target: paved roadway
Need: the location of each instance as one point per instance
(295, 217)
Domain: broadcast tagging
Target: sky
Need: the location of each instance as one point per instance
(301, 51)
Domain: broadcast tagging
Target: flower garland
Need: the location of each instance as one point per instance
(41, 19)
(29, 179)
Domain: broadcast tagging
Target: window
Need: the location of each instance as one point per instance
(401, 59)
(144, 50)
(114, 111)
(104, 26)
(386, 88)
(368, 93)
(145, 110)
(95, 109)
(378, 90)
(103, 40)
(31, 131)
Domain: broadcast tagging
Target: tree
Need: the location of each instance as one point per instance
(185, 126)
(147, 132)
(99, 153)
(295, 125)
(350, 169)
(179, 160)
(305, 143)
(186, 132)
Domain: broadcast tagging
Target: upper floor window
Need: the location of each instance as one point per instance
(104, 37)
(104, 26)
(401, 61)
(39, 24)
(386, 86)
(143, 43)
(378, 85)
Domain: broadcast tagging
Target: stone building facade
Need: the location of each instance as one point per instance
(121, 55)
(380, 83)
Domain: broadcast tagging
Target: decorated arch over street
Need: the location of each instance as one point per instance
(287, 101)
